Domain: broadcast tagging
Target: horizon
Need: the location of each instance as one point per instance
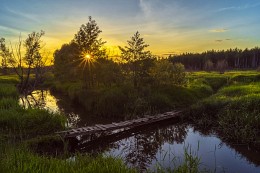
(169, 27)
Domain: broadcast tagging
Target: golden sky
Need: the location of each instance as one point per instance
(168, 26)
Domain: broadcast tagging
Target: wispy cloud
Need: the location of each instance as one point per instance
(222, 40)
(219, 30)
(238, 7)
(23, 15)
(146, 7)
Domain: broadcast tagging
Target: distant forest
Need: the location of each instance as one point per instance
(212, 60)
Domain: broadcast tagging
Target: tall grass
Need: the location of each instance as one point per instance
(22, 160)
(8, 90)
(233, 110)
(191, 163)
(240, 119)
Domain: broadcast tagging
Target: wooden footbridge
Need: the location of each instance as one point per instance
(120, 126)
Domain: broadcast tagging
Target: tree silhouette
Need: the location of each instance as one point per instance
(136, 56)
(90, 46)
(88, 39)
(23, 64)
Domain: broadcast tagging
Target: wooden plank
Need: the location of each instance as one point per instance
(100, 127)
(122, 124)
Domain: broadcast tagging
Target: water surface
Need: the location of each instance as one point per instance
(162, 144)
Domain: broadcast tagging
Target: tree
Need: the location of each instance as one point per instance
(222, 66)
(162, 72)
(208, 66)
(66, 63)
(179, 74)
(136, 56)
(4, 54)
(23, 64)
(90, 46)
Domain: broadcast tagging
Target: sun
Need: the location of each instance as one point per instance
(87, 60)
(87, 56)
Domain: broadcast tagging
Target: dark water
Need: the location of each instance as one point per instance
(162, 145)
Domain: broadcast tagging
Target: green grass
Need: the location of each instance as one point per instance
(21, 161)
(191, 163)
(8, 90)
(10, 79)
(26, 136)
(233, 110)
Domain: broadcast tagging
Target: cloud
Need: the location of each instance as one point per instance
(146, 7)
(219, 30)
(23, 15)
(238, 7)
(220, 40)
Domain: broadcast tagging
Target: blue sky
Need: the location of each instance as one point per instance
(168, 26)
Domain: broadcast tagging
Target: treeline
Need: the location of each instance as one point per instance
(215, 60)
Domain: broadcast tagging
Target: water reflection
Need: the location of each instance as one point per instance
(59, 103)
(141, 149)
(44, 99)
(165, 145)
(161, 144)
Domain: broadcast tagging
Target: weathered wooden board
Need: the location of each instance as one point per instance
(119, 125)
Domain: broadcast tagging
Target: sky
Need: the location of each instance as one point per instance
(168, 26)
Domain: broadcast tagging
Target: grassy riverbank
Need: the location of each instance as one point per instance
(126, 101)
(22, 132)
(233, 110)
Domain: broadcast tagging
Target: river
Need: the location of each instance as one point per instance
(162, 145)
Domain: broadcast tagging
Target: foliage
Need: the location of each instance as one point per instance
(235, 59)
(240, 119)
(136, 56)
(164, 73)
(221, 66)
(23, 65)
(233, 111)
(67, 57)
(85, 58)
(179, 74)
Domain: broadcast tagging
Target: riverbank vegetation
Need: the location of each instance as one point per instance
(233, 110)
(27, 134)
